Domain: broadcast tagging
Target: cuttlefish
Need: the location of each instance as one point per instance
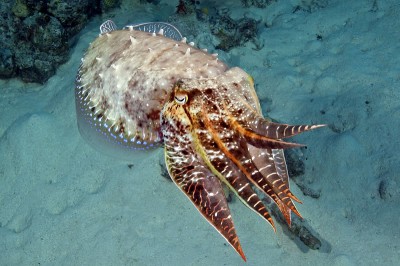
(144, 86)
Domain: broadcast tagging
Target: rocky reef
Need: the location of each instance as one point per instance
(34, 35)
(229, 32)
(233, 33)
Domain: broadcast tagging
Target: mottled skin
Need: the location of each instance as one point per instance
(129, 74)
(148, 89)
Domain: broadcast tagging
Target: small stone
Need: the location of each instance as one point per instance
(300, 230)
(233, 33)
(388, 189)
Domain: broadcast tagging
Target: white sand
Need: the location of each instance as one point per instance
(62, 203)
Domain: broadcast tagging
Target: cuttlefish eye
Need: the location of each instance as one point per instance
(181, 98)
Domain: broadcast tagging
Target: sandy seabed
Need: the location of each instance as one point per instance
(63, 203)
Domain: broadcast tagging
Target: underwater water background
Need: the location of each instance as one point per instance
(333, 62)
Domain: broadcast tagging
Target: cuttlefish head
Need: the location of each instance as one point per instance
(215, 136)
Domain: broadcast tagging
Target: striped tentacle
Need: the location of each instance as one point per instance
(251, 122)
(281, 169)
(280, 165)
(219, 121)
(219, 144)
(190, 173)
(236, 151)
(270, 164)
(271, 183)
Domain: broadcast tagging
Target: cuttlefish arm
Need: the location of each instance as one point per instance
(209, 141)
(188, 170)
